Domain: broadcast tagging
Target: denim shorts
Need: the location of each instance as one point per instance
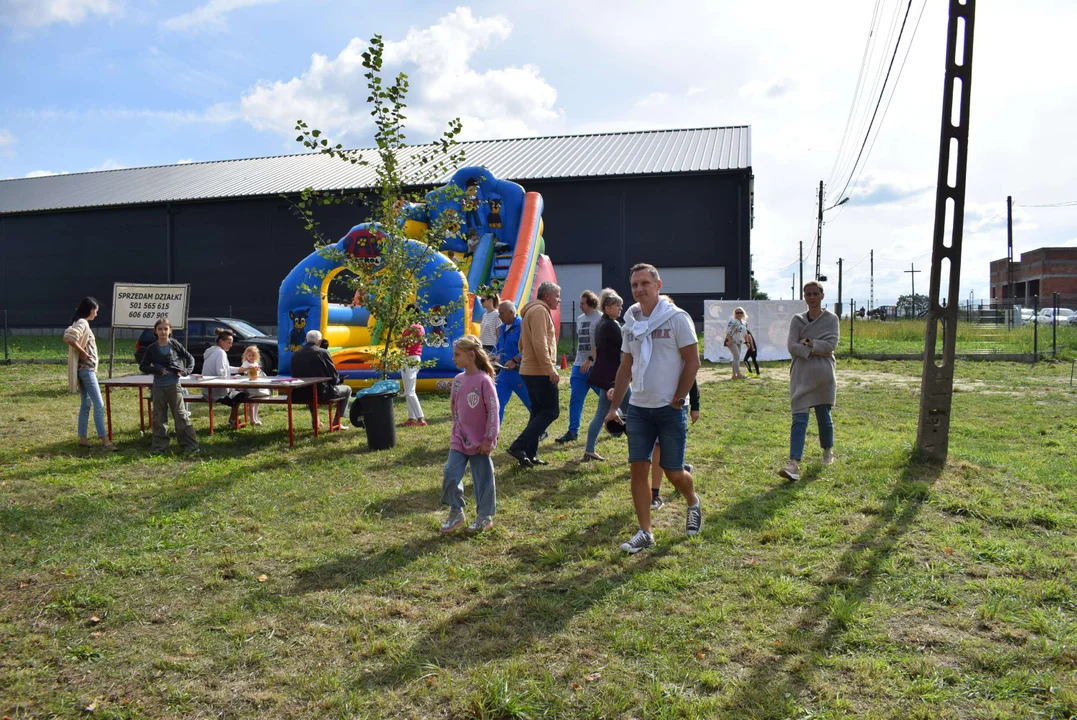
(668, 426)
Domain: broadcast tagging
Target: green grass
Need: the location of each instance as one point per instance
(40, 347)
(907, 336)
(260, 581)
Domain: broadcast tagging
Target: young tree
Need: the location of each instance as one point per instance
(385, 270)
(912, 305)
(758, 294)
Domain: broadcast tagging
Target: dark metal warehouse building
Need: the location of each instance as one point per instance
(680, 199)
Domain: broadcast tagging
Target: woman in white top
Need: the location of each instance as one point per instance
(735, 332)
(215, 364)
(490, 322)
(82, 371)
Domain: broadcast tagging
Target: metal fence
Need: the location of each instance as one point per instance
(1001, 329)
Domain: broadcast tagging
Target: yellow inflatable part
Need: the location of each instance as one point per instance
(346, 336)
(423, 385)
(414, 229)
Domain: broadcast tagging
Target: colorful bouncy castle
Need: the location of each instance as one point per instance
(493, 238)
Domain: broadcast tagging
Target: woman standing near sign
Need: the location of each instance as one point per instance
(82, 371)
(167, 361)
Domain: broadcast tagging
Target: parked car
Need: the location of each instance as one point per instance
(1027, 314)
(1046, 315)
(1072, 320)
(200, 335)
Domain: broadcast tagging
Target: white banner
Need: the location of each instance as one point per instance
(767, 319)
(140, 306)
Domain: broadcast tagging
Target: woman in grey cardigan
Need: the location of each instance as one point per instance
(813, 337)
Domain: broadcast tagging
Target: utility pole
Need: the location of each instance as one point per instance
(801, 272)
(839, 287)
(818, 237)
(912, 276)
(1009, 245)
(937, 384)
(793, 288)
(751, 277)
(871, 300)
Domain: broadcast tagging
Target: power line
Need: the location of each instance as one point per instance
(863, 124)
(856, 92)
(1067, 203)
(893, 92)
(893, 57)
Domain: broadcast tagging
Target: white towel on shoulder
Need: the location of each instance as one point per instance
(640, 328)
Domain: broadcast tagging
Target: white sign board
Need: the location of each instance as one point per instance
(140, 306)
(767, 319)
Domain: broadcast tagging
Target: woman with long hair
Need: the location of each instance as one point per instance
(82, 371)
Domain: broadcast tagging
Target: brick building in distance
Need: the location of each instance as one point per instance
(1041, 272)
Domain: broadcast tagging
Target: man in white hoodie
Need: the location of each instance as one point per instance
(660, 361)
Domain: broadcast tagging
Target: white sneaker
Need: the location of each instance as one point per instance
(828, 456)
(791, 470)
(640, 541)
(482, 522)
(455, 520)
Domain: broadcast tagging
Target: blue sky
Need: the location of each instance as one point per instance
(103, 84)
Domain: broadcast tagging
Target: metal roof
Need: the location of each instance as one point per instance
(649, 152)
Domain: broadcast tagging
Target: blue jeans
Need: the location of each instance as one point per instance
(666, 425)
(578, 387)
(482, 476)
(507, 383)
(799, 430)
(91, 395)
(599, 420)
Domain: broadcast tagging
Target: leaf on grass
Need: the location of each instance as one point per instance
(575, 686)
(94, 619)
(91, 707)
(778, 643)
(700, 655)
(263, 578)
(949, 551)
(593, 676)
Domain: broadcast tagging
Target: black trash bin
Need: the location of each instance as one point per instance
(377, 413)
(373, 410)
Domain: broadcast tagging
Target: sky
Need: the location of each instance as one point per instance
(107, 84)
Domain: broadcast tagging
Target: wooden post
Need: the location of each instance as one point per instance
(111, 349)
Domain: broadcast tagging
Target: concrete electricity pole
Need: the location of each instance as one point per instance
(818, 237)
(801, 272)
(937, 384)
(871, 300)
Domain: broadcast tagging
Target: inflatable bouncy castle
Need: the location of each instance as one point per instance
(493, 238)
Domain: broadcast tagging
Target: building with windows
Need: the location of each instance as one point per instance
(680, 199)
(1039, 273)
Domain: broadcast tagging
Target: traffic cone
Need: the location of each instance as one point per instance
(564, 362)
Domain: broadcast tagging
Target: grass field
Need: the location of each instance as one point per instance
(869, 337)
(258, 581)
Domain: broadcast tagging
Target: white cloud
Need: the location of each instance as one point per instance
(655, 99)
(331, 94)
(109, 164)
(39, 13)
(209, 17)
(185, 161)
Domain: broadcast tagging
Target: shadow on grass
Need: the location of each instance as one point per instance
(777, 681)
(525, 604)
(357, 568)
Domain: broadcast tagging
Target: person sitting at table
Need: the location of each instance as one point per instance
(312, 361)
(215, 365)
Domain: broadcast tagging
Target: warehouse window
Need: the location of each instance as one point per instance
(693, 280)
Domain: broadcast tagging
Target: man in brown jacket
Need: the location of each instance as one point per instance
(538, 370)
